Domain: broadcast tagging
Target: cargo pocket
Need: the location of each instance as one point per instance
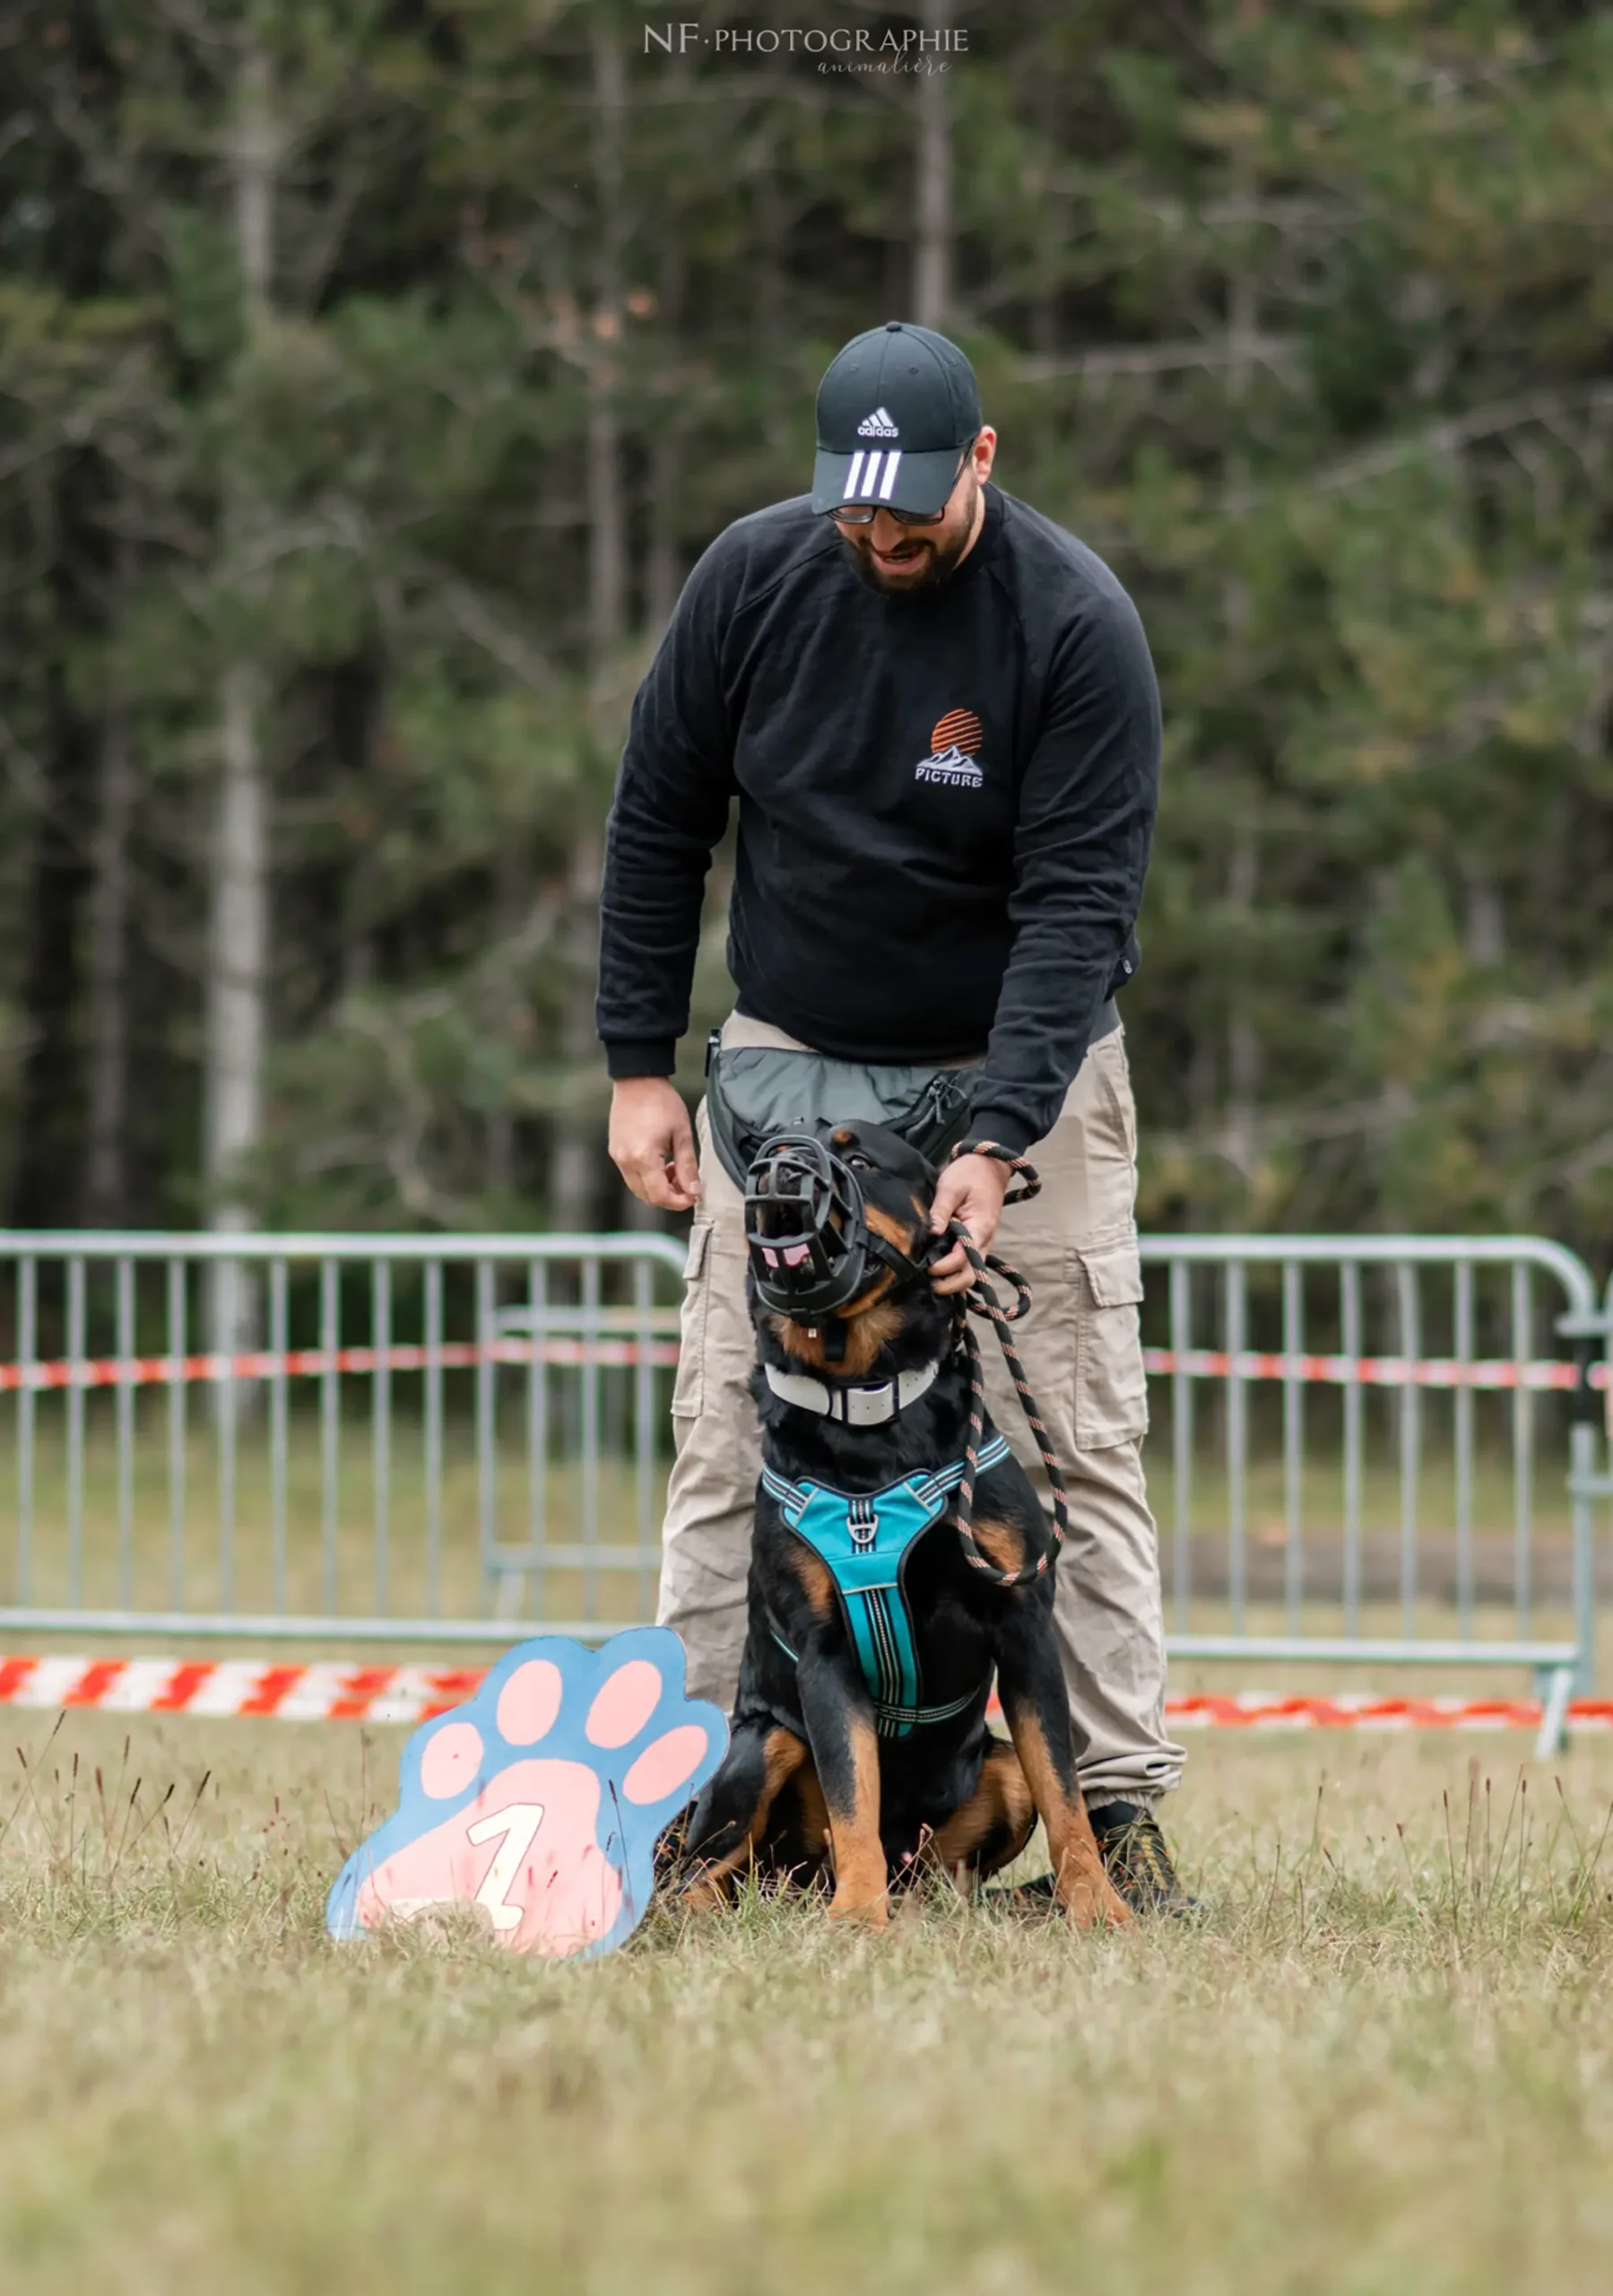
(689, 1387)
(1111, 1386)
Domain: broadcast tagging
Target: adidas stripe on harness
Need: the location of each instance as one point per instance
(865, 1541)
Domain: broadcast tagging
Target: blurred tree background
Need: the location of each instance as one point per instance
(372, 371)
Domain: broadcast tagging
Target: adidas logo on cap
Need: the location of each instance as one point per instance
(878, 425)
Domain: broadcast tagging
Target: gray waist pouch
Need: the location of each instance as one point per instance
(752, 1091)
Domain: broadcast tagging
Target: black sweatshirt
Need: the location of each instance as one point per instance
(946, 805)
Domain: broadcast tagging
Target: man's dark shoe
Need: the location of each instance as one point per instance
(1135, 1860)
(1138, 1862)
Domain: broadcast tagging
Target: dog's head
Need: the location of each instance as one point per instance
(838, 1220)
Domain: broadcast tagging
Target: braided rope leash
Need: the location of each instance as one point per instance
(981, 1299)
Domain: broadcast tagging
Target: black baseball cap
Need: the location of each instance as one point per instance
(895, 410)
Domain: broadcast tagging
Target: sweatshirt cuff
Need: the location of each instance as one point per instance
(641, 1056)
(1008, 1131)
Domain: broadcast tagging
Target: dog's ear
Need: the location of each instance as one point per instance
(922, 1175)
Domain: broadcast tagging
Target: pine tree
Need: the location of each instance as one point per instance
(370, 378)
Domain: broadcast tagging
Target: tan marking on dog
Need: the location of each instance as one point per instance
(816, 1579)
(799, 1847)
(783, 1753)
(860, 1891)
(1080, 1885)
(1003, 1544)
(815, 1828)
(1002, 1804)
(889, 1230)
(866, 1332)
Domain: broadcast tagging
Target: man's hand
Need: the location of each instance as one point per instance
(971, 1192)
(653, 1143)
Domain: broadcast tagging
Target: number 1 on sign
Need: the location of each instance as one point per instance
(517, 1824)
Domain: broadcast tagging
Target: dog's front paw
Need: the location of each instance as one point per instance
(1090, 1899)
(866, 1913)
(540, 1803)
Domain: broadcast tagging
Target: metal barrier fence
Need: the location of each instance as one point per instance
(1359, 1443)
(389, 1438)
(1430, 1367)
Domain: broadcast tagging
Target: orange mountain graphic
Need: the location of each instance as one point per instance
(959, 725)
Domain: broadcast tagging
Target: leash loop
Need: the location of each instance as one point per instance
(981, 1299)
(1027, 1174)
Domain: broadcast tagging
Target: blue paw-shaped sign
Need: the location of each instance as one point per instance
(541, 1801)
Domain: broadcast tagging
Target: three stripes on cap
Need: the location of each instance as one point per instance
(867, 485)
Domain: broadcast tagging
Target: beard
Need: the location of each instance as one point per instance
(933, 563)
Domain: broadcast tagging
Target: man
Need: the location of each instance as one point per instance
(939, 715)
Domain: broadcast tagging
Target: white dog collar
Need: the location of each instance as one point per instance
(870, 1405)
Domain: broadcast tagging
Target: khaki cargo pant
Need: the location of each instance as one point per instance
(1076, 1245)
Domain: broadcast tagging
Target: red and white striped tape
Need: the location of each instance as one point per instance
(325, 1690)
(321, 1691)
(1361, 1710)
(461, 1355)
(314, 1362)
(1368, 1370)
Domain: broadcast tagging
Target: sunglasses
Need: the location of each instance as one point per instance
(904, 517)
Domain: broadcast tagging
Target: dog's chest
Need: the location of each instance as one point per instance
(886, 1552)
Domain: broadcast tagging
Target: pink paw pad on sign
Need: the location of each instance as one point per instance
(539, 1802)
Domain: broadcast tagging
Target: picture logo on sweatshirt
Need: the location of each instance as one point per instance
(952, 746)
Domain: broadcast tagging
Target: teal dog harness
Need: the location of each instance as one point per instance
(865, 1541)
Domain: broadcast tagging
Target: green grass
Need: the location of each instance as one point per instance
(1383, 2062)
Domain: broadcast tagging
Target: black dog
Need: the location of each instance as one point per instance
(860, 1732)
